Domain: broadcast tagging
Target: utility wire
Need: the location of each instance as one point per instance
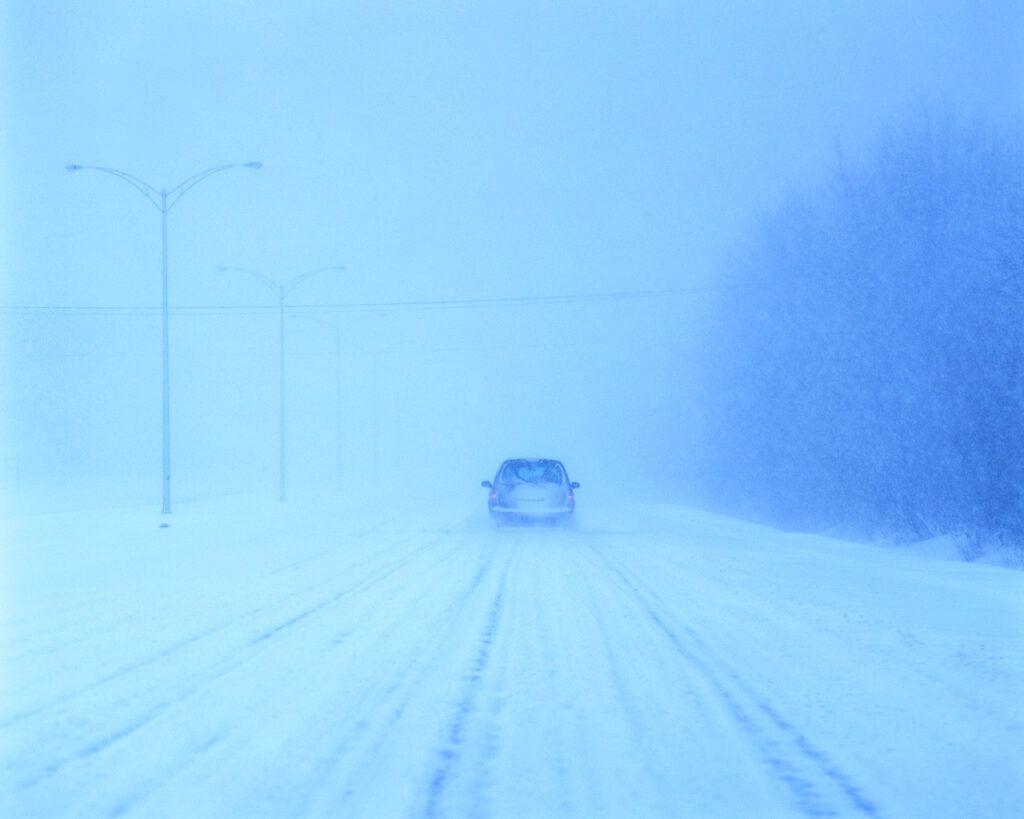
(351, 307)
(645, 343)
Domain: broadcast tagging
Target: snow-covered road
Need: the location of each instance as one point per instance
(253, 662)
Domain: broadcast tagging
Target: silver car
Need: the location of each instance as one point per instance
(531, 489)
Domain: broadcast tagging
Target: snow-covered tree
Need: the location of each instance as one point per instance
(870, 345)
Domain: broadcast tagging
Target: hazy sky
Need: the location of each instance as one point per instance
(439, 151)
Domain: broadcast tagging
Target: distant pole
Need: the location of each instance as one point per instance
(166, 357)
(283, 427)
(164, 200)
(281, 291)
(339, 459)
(337, 406)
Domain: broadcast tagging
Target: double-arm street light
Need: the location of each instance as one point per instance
(282, 291)
(163, 200)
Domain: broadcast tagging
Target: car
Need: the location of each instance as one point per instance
(527, 490)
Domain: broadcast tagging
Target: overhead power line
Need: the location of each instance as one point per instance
(355, 307)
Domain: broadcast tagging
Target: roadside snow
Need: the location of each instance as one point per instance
(307, 659)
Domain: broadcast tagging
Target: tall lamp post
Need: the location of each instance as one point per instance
(282, 291)
(163, 200)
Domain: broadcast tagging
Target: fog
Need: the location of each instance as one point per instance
(533, 206)
(752, 271)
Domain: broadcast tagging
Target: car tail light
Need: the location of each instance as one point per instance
(494, 497)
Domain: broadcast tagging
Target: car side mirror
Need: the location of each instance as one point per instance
(574, 485)
(485, 484)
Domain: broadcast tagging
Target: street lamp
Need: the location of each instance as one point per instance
(164, 200)
(282, 291)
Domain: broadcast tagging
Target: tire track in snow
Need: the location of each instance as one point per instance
(324, 770)
(617, 665)
(384, 705)
(775, 736)
(225, 664)
(451, 754)
(82, 609)
(196, 637)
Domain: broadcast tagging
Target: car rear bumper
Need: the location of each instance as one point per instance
(506, 516)
(532, 512)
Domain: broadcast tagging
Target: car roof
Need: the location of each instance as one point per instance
(532, 461)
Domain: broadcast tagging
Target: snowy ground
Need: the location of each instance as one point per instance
(260, 660)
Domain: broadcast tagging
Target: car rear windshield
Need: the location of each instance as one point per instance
(533, 472)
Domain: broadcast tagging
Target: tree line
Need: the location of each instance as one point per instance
(866, 365)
